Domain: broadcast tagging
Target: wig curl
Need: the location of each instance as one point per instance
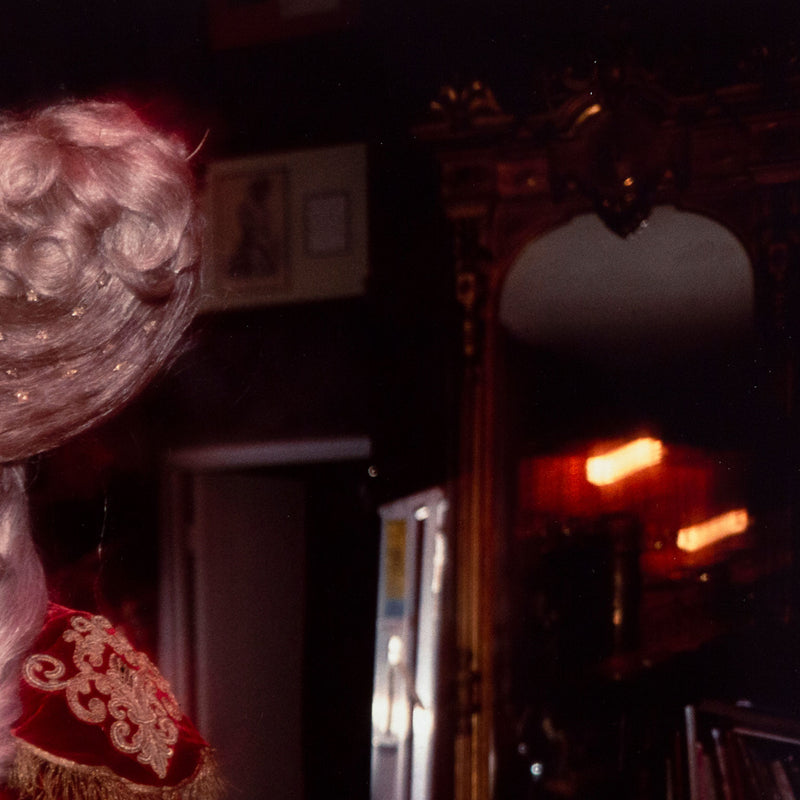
(99, 247)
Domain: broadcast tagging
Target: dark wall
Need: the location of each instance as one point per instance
(294, 371)
(369, 79)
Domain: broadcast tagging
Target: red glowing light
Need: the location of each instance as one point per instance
(617, 464)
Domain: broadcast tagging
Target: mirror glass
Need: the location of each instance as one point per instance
(652, 330)
(607, 342)
(682, 281)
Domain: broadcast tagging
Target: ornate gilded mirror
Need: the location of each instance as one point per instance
(623, 264)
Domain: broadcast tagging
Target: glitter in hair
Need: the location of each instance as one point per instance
(99, 243)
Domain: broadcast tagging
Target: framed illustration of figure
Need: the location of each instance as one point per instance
(251, 208)
(286, 227)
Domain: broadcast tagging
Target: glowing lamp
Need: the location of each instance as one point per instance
(713, 530)
(618, 464)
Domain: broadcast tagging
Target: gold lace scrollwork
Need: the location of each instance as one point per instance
(115, 680)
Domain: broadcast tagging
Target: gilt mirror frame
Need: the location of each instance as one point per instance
(506, 182)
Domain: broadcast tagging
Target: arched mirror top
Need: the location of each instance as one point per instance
(682, 278)
(603, 336)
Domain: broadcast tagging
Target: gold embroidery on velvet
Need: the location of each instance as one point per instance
(126, 687)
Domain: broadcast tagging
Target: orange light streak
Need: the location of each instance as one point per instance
(618, 464)
(713, 530)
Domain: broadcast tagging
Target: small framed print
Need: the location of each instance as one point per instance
(286, 227)
(326, 219)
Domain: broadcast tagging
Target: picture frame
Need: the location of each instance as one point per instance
(286, 227)
(242, 23)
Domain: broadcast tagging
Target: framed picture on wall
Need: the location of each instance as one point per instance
(286, 227)
(239, 23)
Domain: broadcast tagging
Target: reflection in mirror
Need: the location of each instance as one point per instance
(637, 359)
(679, 277)
(655, 329)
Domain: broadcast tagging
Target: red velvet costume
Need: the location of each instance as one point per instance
(99, 721)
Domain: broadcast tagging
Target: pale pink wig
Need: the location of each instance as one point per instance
(99, 247)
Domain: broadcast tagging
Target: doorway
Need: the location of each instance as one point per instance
(268, 611)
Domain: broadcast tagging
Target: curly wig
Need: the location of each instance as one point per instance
(99, 244)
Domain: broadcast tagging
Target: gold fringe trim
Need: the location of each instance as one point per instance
(38, 775)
